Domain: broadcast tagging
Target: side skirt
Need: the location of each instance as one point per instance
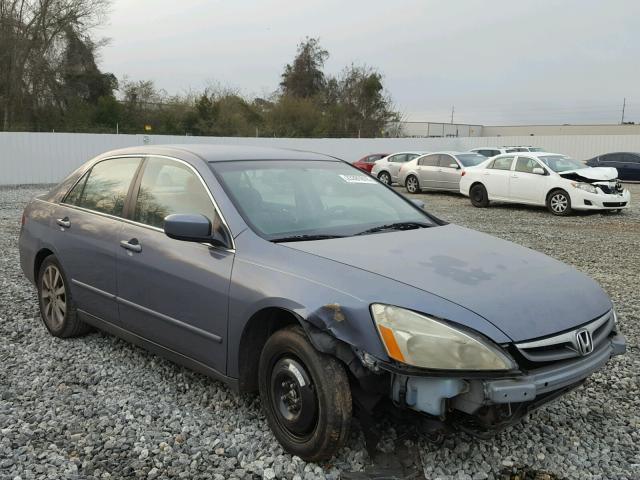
(158, 349)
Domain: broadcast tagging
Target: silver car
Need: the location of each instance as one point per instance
(387, 169)
(437, 171)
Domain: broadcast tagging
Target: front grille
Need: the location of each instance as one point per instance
(614, 204)
(565, 345)
(610, 188)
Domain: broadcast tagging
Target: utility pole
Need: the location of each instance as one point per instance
(624, 104)
(453, 109)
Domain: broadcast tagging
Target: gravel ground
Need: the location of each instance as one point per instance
(97, 407)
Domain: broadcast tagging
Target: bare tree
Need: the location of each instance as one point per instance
(32, 35)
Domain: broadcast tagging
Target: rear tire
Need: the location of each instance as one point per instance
(385, 178)
(57, 309)
(478, 196)
(559, 202)
(412, 185)
(305, 396)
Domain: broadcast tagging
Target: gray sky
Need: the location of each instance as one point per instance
(497, 61)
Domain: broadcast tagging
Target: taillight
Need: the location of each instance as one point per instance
(24, 219)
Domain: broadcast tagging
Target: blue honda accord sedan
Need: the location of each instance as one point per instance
(296, 275)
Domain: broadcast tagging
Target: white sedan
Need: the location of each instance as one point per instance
(556, 181)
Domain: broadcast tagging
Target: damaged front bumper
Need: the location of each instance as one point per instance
(438, 396)
(582, 200)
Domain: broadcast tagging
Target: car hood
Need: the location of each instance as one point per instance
(524, 293)
(591, 173)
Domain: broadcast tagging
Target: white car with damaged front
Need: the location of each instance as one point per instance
(556, 181)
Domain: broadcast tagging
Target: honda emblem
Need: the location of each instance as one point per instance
(584, 341)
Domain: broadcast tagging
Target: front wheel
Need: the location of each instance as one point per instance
(305, 395)
(412, 184)
(559, 202)
(385, 178)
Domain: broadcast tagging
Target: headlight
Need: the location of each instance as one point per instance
(587, 187)
(421, 341)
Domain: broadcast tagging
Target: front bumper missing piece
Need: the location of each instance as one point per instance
(437, 395)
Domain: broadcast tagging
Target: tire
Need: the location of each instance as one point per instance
(412, 185)
(57, 309)
(559, 202)
(385, 178)
(294, 379)
(478, 196)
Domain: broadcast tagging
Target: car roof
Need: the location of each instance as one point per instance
(530, 154)
(413, 151)
(222, 153)
(616, 153)
(447, 152)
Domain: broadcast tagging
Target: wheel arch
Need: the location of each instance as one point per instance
(40, 257)
(555, 189)
(477, 182)
(268, 320)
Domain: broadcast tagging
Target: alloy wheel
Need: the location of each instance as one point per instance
(385, 178)
(412, 185)
(54, 297)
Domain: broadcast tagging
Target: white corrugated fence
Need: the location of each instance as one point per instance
(33, 158)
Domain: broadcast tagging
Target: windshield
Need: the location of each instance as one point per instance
(470, 159)
(288, 198)
(536, 149)
(560, 163)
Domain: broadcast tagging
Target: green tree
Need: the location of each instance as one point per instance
(304, 77)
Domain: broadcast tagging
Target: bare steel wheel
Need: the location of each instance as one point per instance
(559, 202)
(305, 395)
(57, 309)
(412, 184)
(54, 297)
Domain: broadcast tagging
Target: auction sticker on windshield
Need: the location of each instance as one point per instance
(357, 179)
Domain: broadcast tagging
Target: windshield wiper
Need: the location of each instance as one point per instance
(395, 226)
(303, 238)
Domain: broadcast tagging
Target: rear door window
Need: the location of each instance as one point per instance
(168, 186)
(104, 188)
(429, 161)
(446, 161)
(503, 163)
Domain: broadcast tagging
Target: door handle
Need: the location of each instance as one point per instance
(514, 176)
(63, 222)
(132, 245)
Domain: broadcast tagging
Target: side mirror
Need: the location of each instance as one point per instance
(454, 165)
(538, 171)
(418, 203)
(194, 228)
